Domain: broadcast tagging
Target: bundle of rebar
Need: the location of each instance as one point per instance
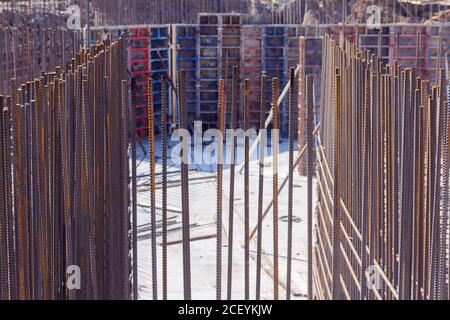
(382, 212)
(64, 196)
(28, 52)
(263, 211)
(133, 12)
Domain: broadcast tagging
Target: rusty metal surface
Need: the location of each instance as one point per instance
(260, 189)
(310, 171)
(247, 189)
(65, 194)
(234, 119)
(185, 190)
(164, 146)
(151, 144)
(26, 53)
(290, 183)
(219, 186)
(275, 146)
(382, 170)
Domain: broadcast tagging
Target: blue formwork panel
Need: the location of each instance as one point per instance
(187, 60)
(274, 44)
(208, 69)
(159, 64)
(275, 57)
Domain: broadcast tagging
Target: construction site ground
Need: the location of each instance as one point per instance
(202, 193)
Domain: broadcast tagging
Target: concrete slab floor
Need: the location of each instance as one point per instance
(202, 192)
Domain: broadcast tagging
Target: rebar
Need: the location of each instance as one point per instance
(261, 157)
(234, 119)
(151, 145)
(164, 142)
(219, 189)
(65, 183)
(310, 171)
(275, 150)
(134, 190)
(246, 189)
(385, 129)
(184, 188)
(290, 183)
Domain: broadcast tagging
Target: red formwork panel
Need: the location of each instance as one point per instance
(139, 67)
